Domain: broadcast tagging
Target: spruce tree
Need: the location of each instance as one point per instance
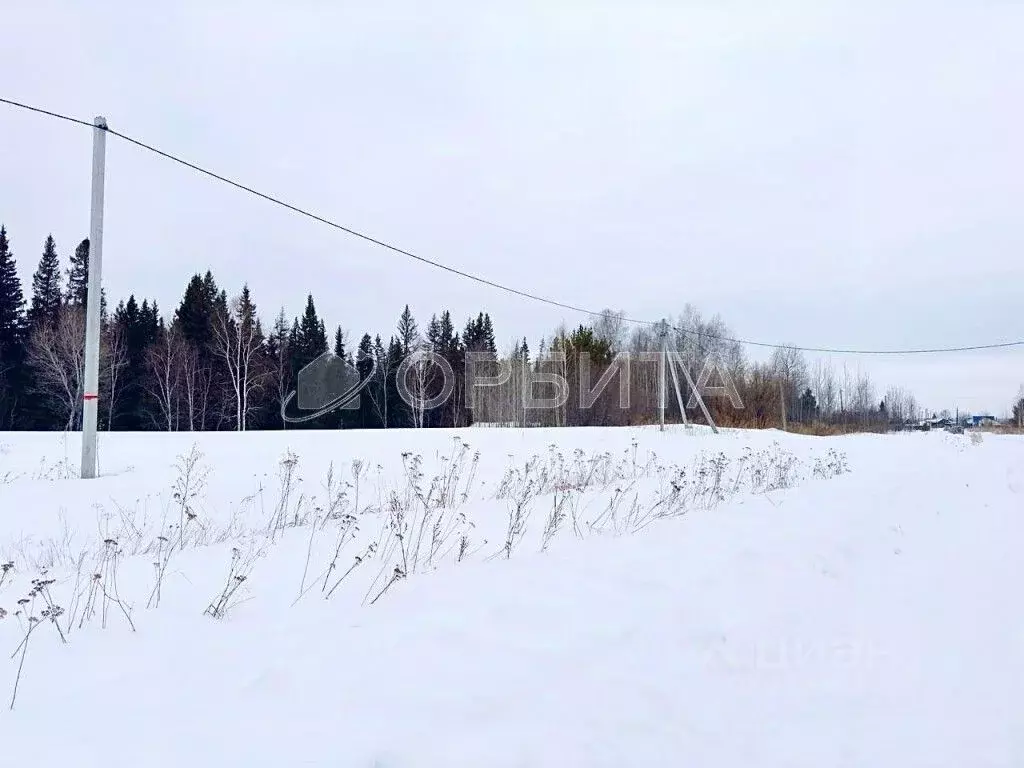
(77, 291)
(247, 314)
(339, 343)
(365, 366)
(487, 330)
(12, 306)
(194, 316)
(434, 333)
(382, 372)
(308, 341)
(199, 306)
(447, 341)
(279, 364)
(469, 335)
(808, 404)
(398, 410)
(140, 326)
(294, 340)
(46, 293)
(12, 334)
(408, 331)
(478, 336)
(311, 339)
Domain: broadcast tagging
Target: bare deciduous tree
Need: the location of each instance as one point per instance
(280, 374)
(238, 340)
(115, 345)
(56, 354)
(196, 379)
(164, 362)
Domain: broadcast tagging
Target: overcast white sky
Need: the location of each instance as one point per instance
(820, 173)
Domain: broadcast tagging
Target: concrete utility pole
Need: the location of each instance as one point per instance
(90, 394)
(671, 361)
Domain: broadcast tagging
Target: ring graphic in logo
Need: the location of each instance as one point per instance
(326, 384)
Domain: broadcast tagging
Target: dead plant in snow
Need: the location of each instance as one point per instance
(832, 464)
(283, 509)
(239, 570)
(189, 483)
(103, 595)
(31, 623)
(5, 569)
(424, 520)
(519, 508)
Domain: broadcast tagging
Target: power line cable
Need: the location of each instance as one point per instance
(482, 280)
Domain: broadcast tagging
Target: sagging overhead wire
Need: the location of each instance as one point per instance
(477, 278)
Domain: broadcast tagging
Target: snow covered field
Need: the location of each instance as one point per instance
(493, 597)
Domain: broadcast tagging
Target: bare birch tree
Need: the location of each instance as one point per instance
(280, 373)
(115, 346)
(238, 340)
(164, 363)
(196, 379)
(56, 355)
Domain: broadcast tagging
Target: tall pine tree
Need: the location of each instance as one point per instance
(12, 307)
(194, 316)
(339, 342)
(46, 293)
(408, 331)
(398, 413)
(280, 366)
(308, 341)
(488, 336)
(77, 290)
(311, 337)
(12, 334)
(140, 329)
(367, 415)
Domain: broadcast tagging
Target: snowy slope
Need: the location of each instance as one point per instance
(732, 600)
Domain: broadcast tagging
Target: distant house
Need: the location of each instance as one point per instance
(983, 420)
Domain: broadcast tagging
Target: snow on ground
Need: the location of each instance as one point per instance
(677, 599)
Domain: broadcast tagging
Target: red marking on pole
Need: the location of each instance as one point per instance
(88, 396)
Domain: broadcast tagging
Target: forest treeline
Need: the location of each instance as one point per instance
(214, 364)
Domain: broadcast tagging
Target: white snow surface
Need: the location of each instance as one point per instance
(869, 613)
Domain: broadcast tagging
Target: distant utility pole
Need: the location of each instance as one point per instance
(90, 394)
(662, 360)
(782, 405)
